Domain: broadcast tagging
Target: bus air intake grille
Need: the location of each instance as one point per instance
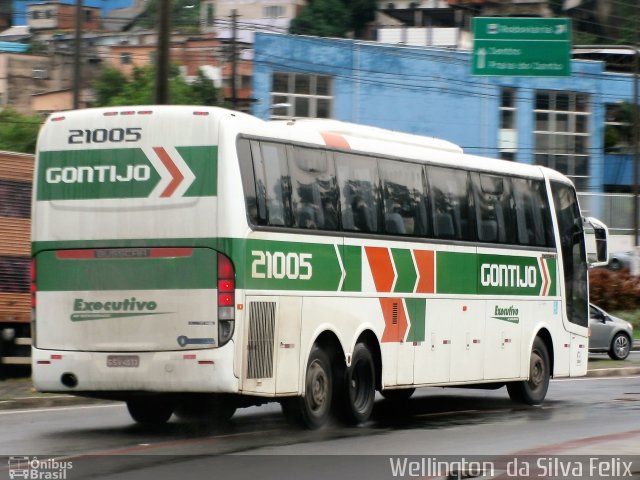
(262, 316)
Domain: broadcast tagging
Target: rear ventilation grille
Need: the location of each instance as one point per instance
(262, 317)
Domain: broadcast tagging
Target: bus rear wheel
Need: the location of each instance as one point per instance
(534, 390)
(360, 385)
(150, 410)
(312, 410)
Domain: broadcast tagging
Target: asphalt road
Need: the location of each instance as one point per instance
(592, 417)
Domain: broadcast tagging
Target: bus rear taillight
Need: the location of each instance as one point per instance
(226, 299)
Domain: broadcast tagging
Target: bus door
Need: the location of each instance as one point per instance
(574, 266)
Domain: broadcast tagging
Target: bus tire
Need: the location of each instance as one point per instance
(398, 395)
(534, 390)
(360, 385)
(312, 410)
(150, 410)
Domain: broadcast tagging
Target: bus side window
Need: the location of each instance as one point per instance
(403, 198)
(277, 183)
(249, 183)
(359, 195)
(449, 189)
(495, 209)
(314, 193)
(533, 222)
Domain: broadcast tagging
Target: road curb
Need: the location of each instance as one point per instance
(614, 372)
(52, 401)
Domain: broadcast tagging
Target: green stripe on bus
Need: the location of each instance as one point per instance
(352, 262)
(456, 273)
(512, 275)
(198, 271)
(203, 162)
(93, 174)
(275, 265)
(123, 173)
(406, 275)
(416, 309)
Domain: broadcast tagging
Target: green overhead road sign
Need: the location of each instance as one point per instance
(530, 47)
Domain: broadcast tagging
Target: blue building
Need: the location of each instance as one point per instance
(20, 7)
(557, 122)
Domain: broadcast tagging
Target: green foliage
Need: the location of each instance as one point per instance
(108, 85)
(585, 38)
(322, 18)
(18, 133)
(618, 137)
(113, 88)
(334, 18)
(362, 13)
(184, 14)
(614, 290)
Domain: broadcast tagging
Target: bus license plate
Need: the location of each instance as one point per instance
(123, 361)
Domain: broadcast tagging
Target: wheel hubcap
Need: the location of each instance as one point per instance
(318, 386)
(621, 346)
(536, 377)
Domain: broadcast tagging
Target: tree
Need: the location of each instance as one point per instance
(113, 88)
(18, 133)
(362, 13)
(323, 18)
(185, 15)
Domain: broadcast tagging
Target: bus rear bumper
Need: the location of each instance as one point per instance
(209, 370)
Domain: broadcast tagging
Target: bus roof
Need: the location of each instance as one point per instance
(334, 134)
(366, 132)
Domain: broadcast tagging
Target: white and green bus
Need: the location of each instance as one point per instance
(193, 260)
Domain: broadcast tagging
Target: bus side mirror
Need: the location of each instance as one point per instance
(601, 236)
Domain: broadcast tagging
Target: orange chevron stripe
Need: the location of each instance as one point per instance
(173, 170)
(335, 140)
(381, 268)
(395, 319)
(546, 282)
(425, 261)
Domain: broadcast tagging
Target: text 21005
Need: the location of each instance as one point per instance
(104, 135)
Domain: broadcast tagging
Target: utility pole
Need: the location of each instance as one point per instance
(162, 65)
(234, 59)
(76, 56)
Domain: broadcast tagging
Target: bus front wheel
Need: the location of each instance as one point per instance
(534, 390)
(149, 410)
(313, 408)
